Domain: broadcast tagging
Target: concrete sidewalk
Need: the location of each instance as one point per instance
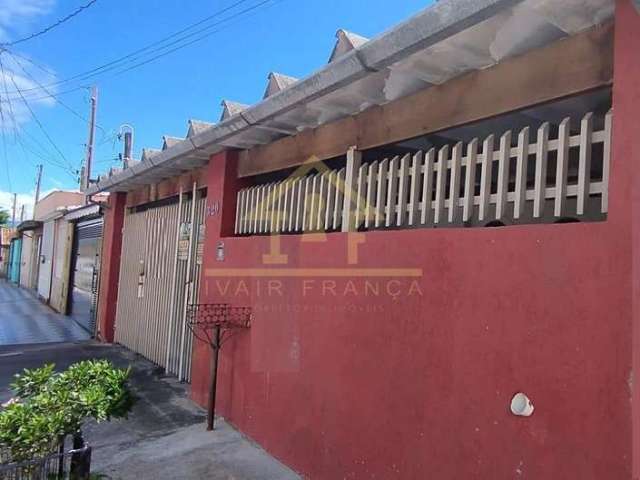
(164, 437)
(26, 320)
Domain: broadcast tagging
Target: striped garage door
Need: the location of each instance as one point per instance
(159, 276)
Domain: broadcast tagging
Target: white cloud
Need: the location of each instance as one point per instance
(26, 199)
(16, 15)
(19, 74)
(18, 71)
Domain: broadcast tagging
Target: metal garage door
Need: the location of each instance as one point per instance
(159, 275)
(85, 270)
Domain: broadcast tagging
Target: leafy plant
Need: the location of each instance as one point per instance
(49, 405)
(30, 382)
(4, 216)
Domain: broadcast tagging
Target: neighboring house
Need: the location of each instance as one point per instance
(37, 239)
(45, 239)
(55, 200)
(30, 232)
(435, 221)
(6, 234)
(60, 254)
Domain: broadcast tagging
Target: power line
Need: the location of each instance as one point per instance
(52, 26)
(8, 100)
(49, 94)
(4, 138)
(33, 115)
(120, 63)
(197, 39)
(4, 146)
(162, 43)
(18, 138)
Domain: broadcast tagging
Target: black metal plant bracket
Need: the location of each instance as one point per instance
(214, 324)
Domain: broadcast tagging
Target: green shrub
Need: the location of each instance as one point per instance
(49, 405)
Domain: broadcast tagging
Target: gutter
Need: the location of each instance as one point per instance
(434, 24)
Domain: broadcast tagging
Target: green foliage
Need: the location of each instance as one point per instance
(31, 382)
(51, 405)
(4, 216)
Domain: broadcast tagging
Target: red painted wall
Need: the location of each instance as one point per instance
(626, 213)
(110, 266)
(348, 385)
(416, 380)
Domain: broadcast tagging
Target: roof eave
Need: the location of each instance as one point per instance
(440, 21)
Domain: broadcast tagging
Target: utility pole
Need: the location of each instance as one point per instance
(37, 198)
(13, 218)
(90, 142)
(22, 213)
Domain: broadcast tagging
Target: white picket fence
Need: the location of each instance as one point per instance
(411, 190)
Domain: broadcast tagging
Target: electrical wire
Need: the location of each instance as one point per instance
(197, 39)
(136, 54)
(34, 116)
(122, 63)
(4, 146)
(49, 94)
(46, 157)
(50, 27)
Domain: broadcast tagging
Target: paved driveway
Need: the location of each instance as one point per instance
(164, 437)
(24, 319)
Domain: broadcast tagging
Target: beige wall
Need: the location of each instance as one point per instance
(25, 260)
(6, 234)
(55, 200)
(61, 263)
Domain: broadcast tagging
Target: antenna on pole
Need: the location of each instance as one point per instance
(126, 134)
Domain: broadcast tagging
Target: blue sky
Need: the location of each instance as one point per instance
(293, 37)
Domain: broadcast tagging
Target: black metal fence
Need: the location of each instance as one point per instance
(71, 465)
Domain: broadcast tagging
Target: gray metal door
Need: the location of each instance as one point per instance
(159, 275)
(85, 266)
(46, 259)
